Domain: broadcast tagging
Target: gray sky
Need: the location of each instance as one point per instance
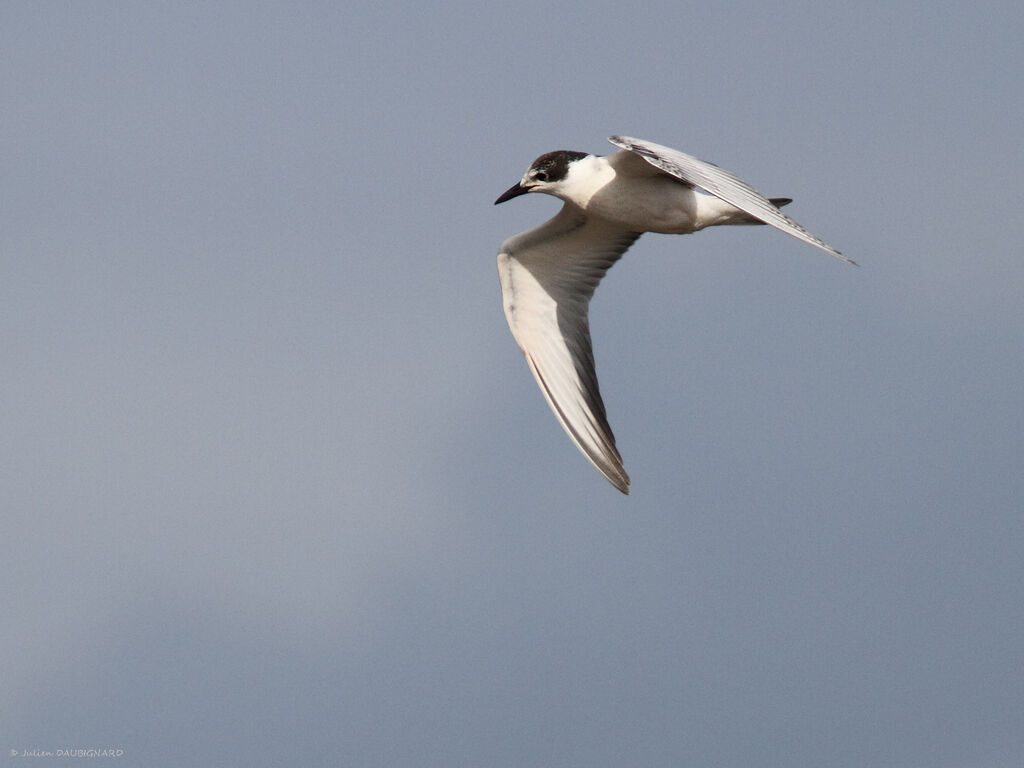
(278, 488)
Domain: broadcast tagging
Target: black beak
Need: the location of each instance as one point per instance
(514, 191)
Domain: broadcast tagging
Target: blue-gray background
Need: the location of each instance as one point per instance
(278, 488)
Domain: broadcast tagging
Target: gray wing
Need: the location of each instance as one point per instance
(548, 275)
(723, 185)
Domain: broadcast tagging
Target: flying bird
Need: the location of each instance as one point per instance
(549, 273)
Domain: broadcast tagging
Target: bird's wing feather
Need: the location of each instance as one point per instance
(723, 185)
(548, 275)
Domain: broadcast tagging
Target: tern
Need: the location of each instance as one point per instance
(548, 274)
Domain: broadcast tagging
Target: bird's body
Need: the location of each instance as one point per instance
(549, 273)
(631, 194)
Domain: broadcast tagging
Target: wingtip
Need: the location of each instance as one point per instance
(620, 480)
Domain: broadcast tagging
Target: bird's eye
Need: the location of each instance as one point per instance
(540, 176)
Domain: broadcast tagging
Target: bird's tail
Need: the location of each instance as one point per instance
(746, 218)
(715, 212)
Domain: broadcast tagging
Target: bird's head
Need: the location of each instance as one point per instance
(547, 174)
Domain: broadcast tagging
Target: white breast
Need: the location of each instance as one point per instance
(646, 204)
